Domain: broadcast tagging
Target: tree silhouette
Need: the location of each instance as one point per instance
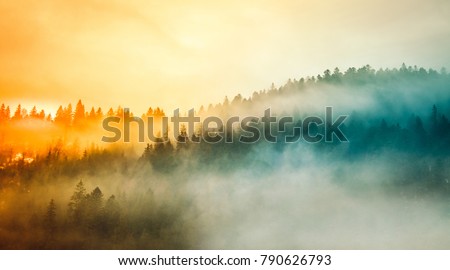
(77, 204)
(50, 220)
(18, 113)
(34, 114)
(79, 115)
(434, 121)
(94, 203)
(4, 113)
(111, 216)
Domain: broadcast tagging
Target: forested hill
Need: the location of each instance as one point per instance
(61, 188)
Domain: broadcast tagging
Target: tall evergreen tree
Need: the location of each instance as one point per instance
(50, 219)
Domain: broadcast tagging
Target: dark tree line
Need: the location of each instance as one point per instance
(90, 221)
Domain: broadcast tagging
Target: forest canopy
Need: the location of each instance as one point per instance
(61, 187)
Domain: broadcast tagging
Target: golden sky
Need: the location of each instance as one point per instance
(140, 53)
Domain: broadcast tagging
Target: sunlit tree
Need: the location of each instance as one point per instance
(18, 113)
(79, 115)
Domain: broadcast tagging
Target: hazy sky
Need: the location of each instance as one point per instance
(140, 53)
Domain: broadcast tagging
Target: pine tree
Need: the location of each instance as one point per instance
(79, 115)
(99, 113)
(111, 216)
(50, 219)
(18, 113)
(77, 204)
(94, 209)
(92, 115)
(4, 113)
(34, 113)
(59, 117)
(41, 115)
(110, 112)
(7, 113)
(150, 112)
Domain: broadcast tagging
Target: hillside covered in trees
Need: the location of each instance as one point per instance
(61, 187)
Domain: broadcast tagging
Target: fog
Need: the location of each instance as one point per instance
(308, 207)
